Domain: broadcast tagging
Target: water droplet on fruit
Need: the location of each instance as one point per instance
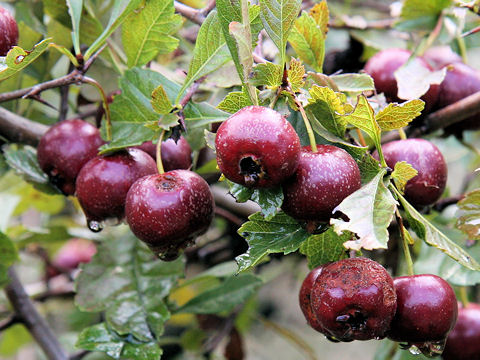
(414, 350)
(94, 226)
(113, 221)
(432, 349)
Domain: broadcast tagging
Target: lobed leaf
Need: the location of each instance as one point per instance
(267, 74)
(295, 74)
(161, 104)
(234, 101)
(396, 116)
(363, 117)
(403, 172)
(269, 199)
(325, 247)
(468, 215)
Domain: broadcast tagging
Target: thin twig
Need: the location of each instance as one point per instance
(12, 320)
(19, 129)
(227, 215)
(194, 15)
(29, 315)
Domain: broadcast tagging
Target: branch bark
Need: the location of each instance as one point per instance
(31, 318)
(19, 129)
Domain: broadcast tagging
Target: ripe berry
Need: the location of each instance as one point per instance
(64, 149)
(175, 155)
(304, 298)
(104, 181)
(440, 56)
(8, 31)
(426, 309)
(451, 92)
(73, 253)
(381, 68)
(354, 299)
(322, 180)
(167, 211)
(429, 184)
(257, 147)
(462, 341)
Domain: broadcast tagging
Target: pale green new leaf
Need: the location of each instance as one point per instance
(414, 79)
(160, 101)
(396, 116)
(434, 237)
(267, 74)
(370, 211)
(278, 17)
(325, 247)
(148, 32)
(353, 82)
(468, 215)
(403, 172)
(363, 117)
(234, 101)
(412, 9)
(75, 8)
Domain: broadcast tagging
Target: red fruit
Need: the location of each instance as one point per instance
(429, 184)
(174, 155)
(321, 182)
(8, 31)
(463, 341)
(426, 309)
(381, 68)
(304, 298)
(354, 299)
(461, 81)
(64, 149)
(103, 183)
(440, 56)
(257, 147)
(167, 211)
(73, 253)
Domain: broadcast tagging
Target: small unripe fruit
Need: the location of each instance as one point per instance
(167, 211)
(305, 301)
(257, 147)
(321, 182)
(103, 183)
(64, 149)
(354, 299)
(8, 31)
(174, 155)
(463, 341)
(73, 253)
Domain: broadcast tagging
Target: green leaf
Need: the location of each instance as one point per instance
(148, 32)
(325, 247)
(396, 116)
(233, 291)
(280, 234)
(75, 8)
(403, 172)
(160, 101)
(125, 279)
(241, 33)
(211, 51)
(412, 9)
(363, 117)
(234, 101)
(468, 215)
(370, 211)
(120, 11)
(8, 256)
(267, 74)
(434, 237)
(17, 59)
(295, 74)
(353, 82)
(278, 17)
(269, 200)
(369, 167)
(200, 114)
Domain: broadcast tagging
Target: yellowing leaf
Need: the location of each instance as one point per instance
(234, 101)
(295, 75)
(403, 172)
(160, 101)
(267, 74)
(320, 14)
(396, 116)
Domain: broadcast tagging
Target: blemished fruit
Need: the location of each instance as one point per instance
(426, 309)
(451, 92)
(73, 253)
(381, 68)
(463, 341)
(354, 299)
(322, 180)
(175, 155)
(257, 147)
(167, 211)
(427, 187)
(8, 31)
(104, 181)
(440, 56)
(64, 149)
(304, 299)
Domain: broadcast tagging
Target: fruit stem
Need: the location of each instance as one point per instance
(463, 49)
(402, 134)
(311, 135)
(406, 249)
(462, 291)
(108, 125)
(160, 168)
(361, 139)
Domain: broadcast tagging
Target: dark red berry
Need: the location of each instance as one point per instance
(463, 341)
(461, 81)
(257, 147)
(304, 298)
(429, 184)
(354, 299)
(64, 149)
(73, 253)
(322, 180)
(426, 309)
(381, 68)
(440, 56)
(175, 155)
(103, 183)
(167, 211)
(8, 31)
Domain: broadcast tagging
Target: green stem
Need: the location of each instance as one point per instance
(406, 249)
(108, 126)
(402, 134)
(463, 295)
(380, 154)
(311, 135)
(160, 168)
(463, 48)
